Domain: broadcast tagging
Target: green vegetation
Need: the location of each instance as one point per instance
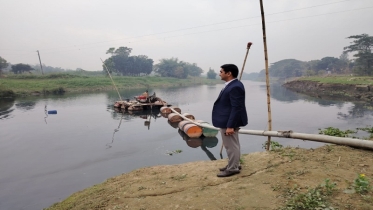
(362, 65)
(54, 83)
(211, 74)
(174, 68)
(320, 196)
(275, 146)
(331, 131)
(3, 64)
(362, 44)
(342, 80)
(314, 198)
(175, 152)
(361, 184)
(21, 68)
(122, 63)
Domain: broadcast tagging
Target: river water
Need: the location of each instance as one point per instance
(46, 157)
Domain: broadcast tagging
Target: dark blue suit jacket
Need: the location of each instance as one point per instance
(229, 109)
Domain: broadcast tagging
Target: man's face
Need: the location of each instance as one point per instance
(223, 75)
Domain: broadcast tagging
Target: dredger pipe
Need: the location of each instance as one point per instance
(366, 144)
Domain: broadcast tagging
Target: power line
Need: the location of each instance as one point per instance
(240, 26)
(211, 25)
(201, 26)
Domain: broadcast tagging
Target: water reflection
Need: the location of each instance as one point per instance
(278, 92)
(202, 142)
(46, 114)
(358, 110)
(127, 115)
(108, 145)
(25, 105)
(6, 107)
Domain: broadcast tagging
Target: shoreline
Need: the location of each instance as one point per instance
(268, 180)
(14, 87)
(335, 91)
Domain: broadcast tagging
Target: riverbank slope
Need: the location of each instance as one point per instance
(289, 177)
(334, 87)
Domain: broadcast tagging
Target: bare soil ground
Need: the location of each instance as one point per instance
(268, 180)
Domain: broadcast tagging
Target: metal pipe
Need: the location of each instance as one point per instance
(366, 144)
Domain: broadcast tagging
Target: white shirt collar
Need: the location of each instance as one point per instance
(229, 82)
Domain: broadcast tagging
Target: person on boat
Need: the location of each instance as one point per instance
(229, 114)
(146, 94)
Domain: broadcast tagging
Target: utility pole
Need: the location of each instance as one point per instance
(41, 67)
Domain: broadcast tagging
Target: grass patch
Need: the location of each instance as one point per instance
(49, 83)
(359, 80)
(314, 198)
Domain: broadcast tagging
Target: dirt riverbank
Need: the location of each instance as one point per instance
(348, 92)
(268, 180)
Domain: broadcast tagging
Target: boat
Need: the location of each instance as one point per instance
(141, 102)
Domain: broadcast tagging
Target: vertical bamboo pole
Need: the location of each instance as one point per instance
(267, 74)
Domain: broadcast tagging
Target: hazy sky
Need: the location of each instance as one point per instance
(77, 33)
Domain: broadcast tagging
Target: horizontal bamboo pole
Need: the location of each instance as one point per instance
(367, 144)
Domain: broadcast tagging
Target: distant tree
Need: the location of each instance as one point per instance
(122, 63)
(363, 45)
(312, 67)
(123, 51)
(20, 68)
(48, 69)
(329, 64)
(166, 67)
(193, 69)
(3, 64)
(211, 74)
(344, 62)
(287, 68)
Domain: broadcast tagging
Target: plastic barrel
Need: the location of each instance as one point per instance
(189, 116)
(165, 110)
(183, 123)
(176, 109)
(193, 131)
(174, 118)
(208, 132)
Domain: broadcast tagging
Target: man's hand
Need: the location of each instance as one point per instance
(229, 131)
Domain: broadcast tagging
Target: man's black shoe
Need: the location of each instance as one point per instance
(227, 173)
(225, 168)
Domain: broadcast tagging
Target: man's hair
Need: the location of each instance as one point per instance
(230, 68)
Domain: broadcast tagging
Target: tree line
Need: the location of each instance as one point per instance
(362, 64)
(122, 63)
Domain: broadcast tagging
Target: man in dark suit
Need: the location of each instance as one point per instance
(228, 114)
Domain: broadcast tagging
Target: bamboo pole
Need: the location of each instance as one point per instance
(290, 134)
(267, 74)
(111, 79)
(244, 62)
